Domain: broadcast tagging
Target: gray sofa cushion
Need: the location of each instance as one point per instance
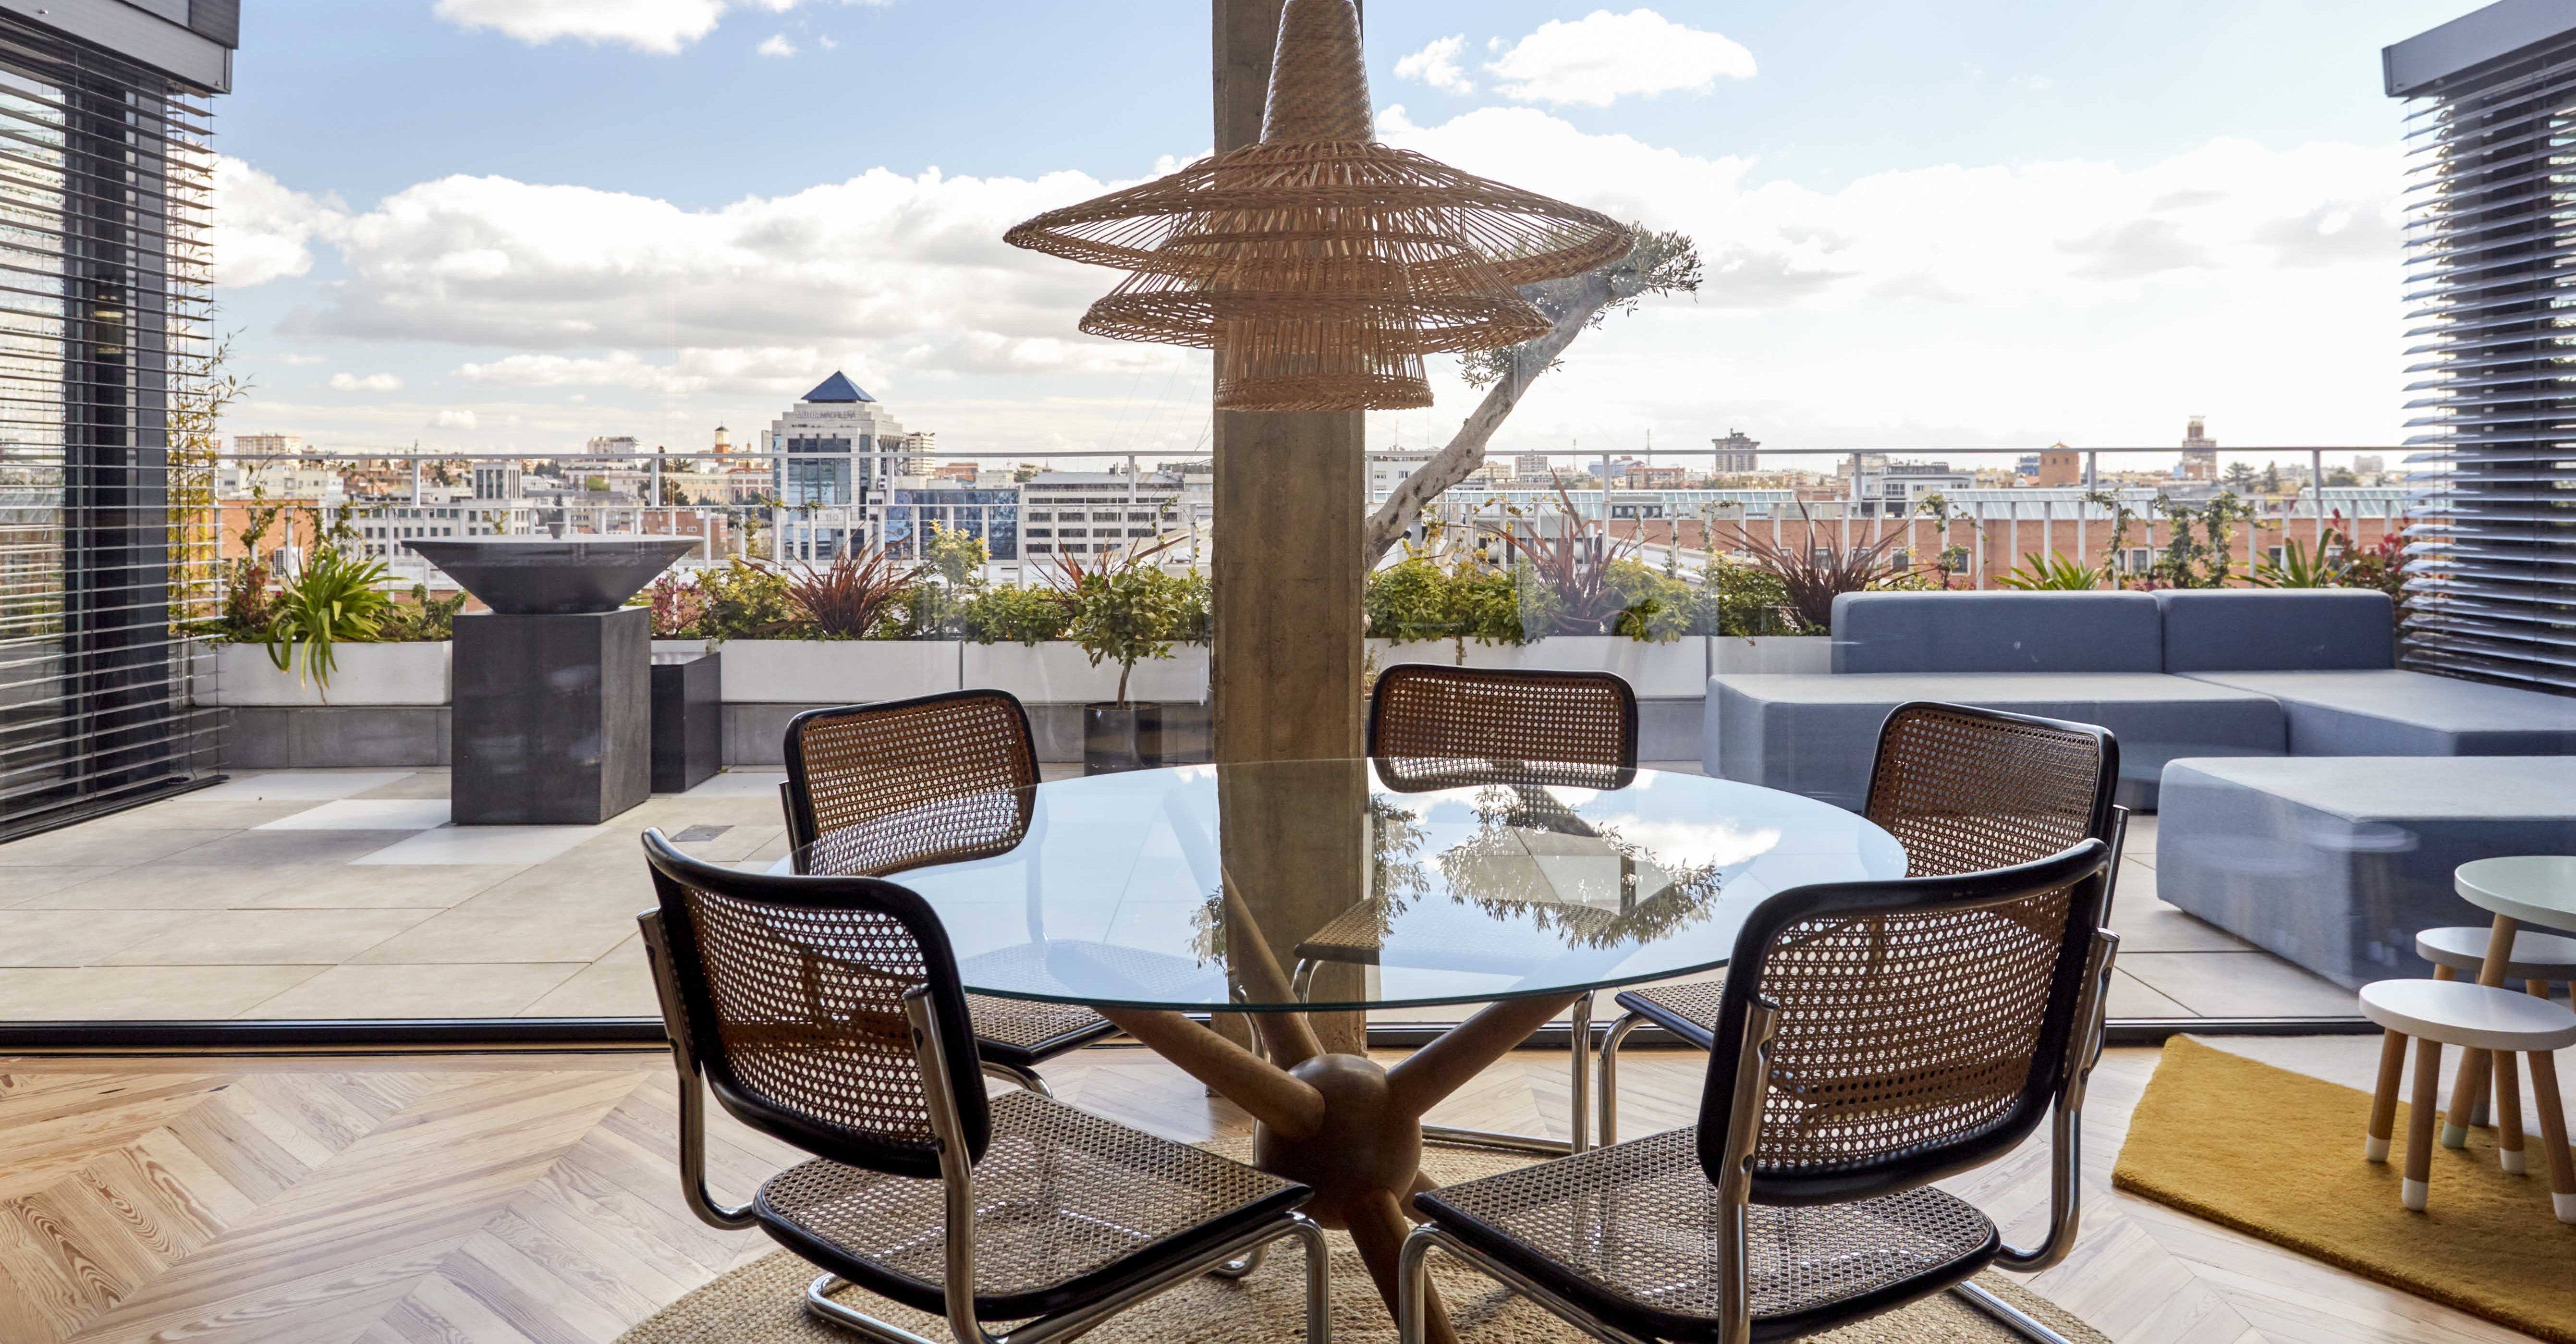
(2392, 713)
(2277, 630)
(1998, 632)
(2337, 863)
(1815, 735)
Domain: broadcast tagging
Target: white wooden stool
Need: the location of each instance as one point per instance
(2538, 960)
(2474, 1017)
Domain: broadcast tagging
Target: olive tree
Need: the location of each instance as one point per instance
(1662, 263)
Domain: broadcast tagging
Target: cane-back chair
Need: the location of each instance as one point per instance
(1873, 1037)
(879, 789)
(1431, 726)
(819, 1011)
(1963, 789)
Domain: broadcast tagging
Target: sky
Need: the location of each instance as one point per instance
(510, 225)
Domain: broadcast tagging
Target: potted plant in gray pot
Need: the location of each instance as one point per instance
(1127, 613)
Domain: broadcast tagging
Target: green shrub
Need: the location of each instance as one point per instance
(1022, 615)
(745, 600)
(422, 620)
(1656, 607)
(1416, 599)
(1742, 600)
(1135, 612)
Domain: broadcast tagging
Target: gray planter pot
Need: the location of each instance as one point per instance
(1109, 738)
(1143, 736)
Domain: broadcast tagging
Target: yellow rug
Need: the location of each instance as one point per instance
(2277, 1155)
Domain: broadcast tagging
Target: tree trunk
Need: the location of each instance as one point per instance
(1466, 452)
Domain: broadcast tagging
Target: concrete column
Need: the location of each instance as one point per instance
(1291, 496)
(1284, 678)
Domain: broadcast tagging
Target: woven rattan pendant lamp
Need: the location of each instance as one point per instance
(1322, 264)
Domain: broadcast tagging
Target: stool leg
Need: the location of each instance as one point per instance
(2383, 1102)
(2553, 1135)
(2471, 1087)
(2445, 973)
(2419, 1123)
(2508, 1112)
(2468, 1091)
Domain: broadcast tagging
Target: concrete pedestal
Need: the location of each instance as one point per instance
(553, 717)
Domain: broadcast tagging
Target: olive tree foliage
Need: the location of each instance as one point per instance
(1663, 263)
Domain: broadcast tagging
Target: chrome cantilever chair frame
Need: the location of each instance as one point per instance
(2114, 832)
(1577, 744)
(957, 1177)
(1734, 1186)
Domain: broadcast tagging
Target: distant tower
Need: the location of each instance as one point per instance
(724, 441)
(1735, 454)
(2199, 454)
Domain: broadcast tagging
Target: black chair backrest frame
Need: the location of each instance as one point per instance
(1502, 725)
(1922, 1026)
(935, 779)
(793, 989)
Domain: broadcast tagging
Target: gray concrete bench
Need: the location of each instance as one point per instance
(2336, 863)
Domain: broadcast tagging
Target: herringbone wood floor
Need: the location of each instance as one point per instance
(503, 1200)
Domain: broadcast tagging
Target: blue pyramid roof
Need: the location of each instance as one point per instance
(838, 387)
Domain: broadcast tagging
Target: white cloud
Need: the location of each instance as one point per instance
(1937, 304)
(777, 45)
(2066, 294)
(886, 271)
(453, 419)
(373, 382)
(771, 371)
(303, 359)
(1603, 57)
(262, 230)
(664, 26)
(1437, 66)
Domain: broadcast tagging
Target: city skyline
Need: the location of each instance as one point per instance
(2018, 258)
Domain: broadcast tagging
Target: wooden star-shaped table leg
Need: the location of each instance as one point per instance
(1339, 1123)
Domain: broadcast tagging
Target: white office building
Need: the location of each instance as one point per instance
(839, 454)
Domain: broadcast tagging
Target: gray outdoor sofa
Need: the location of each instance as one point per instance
(2089, 657)
(2314, 797)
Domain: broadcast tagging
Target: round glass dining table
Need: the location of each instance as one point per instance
(1299, 892)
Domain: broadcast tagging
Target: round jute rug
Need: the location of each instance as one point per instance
(763, 1302)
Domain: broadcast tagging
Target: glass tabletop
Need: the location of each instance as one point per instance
(1366, 883)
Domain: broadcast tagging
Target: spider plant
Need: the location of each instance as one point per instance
(2053, 573)
(1815, 575)
(336, 598)
(854, 594)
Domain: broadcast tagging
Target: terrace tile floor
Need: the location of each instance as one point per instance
(344, 894)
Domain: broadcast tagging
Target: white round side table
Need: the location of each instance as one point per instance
(2524, 889)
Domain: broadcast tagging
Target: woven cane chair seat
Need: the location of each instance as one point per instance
(1688, 1011)
(1022, 1034)
(1630, 1233)
(1070, 1208)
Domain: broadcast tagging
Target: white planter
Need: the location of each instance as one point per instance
(1772, 654)
(679, 646)
(835, 671)
(1678, 670)
(361, 674)
(1060, 673)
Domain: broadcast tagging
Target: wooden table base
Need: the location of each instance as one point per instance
(1341, 1123)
